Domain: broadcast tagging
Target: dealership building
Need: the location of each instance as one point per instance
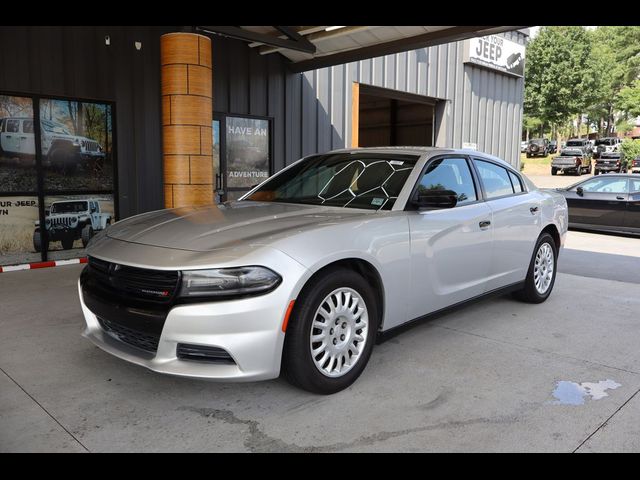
(133, 119)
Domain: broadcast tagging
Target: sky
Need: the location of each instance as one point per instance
(534, 30)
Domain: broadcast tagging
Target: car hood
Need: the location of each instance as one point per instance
(212, 227)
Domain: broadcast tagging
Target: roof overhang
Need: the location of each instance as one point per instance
(312, 47)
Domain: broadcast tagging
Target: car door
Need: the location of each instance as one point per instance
(450, 248)
(11, 136)
(27, 143)
(632, 212)
(516, 222)
(602, 202)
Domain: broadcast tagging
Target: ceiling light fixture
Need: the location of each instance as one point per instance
(328, 29)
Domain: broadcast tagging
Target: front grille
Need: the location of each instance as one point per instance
(142, 340)
(156, 286)
(64, 221)
(203, 353)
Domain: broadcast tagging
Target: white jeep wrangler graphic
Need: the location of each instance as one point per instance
(60, 148)
(70, 220)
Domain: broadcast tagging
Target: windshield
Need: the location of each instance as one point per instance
(368, 181)
(575, 143)
(604, 141)
(54, 127)
(69, 207)
(537, 141)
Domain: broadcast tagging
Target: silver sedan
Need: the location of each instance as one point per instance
(304, 272)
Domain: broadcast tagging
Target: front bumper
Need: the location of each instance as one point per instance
(249, 329)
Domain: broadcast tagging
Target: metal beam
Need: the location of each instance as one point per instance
(293, 42)
(410, 43)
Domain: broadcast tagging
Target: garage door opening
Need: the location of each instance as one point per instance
(390, 118)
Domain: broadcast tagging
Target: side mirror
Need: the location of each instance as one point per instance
(580, 191)
(435, 199)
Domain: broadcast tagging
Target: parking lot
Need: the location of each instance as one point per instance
(496, 376)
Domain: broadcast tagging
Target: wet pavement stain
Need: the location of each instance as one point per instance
(572, 393)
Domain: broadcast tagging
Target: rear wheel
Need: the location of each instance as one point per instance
(579, 170)
(596, 172)
(554, 171)
(542, 271)
(67, 243)
(37, 240)
(331, 332)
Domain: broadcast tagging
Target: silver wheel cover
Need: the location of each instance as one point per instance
(339, 332)
(543, 268)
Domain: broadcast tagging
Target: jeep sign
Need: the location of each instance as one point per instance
(497, 53)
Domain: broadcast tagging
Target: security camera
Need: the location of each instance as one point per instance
(107, 40)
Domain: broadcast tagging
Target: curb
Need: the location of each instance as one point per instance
(34, 265)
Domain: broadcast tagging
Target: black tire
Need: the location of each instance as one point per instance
(596, 172)
(554, 171)
(298, 365)
(87, 234)
(529, 293)
(67, 243)
(579, 171)
(37, 240)
(528, 155)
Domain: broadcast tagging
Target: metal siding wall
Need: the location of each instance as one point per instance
(484, 106)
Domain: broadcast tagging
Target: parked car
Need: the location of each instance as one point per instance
(572, 160)
(611, 162)
(70, 220)
(635, 165)
(553, 146)
(60, 148)
(610, 203)
(523, 147)
(606, 145)
(538, 147)
(581, 143)
(308, 268)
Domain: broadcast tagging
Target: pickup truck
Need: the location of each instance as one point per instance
(573, 160)
(635, 165)
(611, 162)
(70, 220)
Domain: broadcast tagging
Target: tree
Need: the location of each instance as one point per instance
(628, 99)
(558, 80)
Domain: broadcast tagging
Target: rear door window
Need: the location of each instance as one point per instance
(495, 179)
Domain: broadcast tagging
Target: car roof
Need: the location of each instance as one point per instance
(424, 151)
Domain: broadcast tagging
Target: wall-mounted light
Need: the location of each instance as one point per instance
(138, 45)
(107, 40)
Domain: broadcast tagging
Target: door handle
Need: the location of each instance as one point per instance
(533, 210)
(619, 197)
(485, 224)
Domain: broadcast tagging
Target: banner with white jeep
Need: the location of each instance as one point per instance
(65, 188)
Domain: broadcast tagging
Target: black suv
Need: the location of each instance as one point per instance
(538, 147)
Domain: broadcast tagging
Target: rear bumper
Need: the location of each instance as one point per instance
(607, 168)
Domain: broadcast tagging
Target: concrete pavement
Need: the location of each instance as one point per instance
(479, 379)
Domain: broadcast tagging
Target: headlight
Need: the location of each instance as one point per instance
(221, 282)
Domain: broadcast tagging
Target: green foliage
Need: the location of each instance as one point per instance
(629, 99)
(559, 78)
(630, 149)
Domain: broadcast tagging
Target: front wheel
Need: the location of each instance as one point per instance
(331, 332)
(554, 171)
(596, 172)
(87, 234)
(542, 271)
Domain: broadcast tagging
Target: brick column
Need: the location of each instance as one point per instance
(187, 109)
